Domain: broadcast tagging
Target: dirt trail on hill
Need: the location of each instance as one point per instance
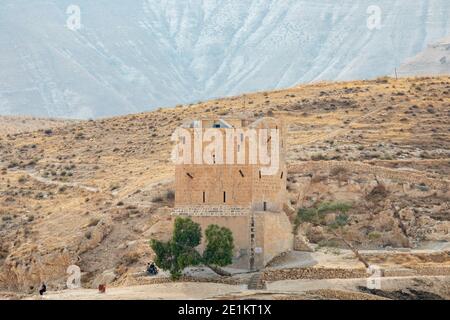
(46, 181)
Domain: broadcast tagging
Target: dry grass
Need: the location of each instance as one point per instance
(82, 170)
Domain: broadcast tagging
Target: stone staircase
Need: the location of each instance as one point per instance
(256, 282)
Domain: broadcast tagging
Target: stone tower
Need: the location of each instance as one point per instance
(234, 186)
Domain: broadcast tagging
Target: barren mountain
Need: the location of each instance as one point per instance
(434, 60)
(138, 55)
(94, 192)
(16, 124)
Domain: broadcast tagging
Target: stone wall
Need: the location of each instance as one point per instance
(239, 226)
(236, 195)
(273, 232)
(350, 273)
(278, 236)
(211, 210)
(359, 167)
(313, 273)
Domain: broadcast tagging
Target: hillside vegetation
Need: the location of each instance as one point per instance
(94, 192)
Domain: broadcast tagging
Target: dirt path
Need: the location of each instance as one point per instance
(341, 131)
(150, 292)
(433, 284)
(46, 181)
(361, 167)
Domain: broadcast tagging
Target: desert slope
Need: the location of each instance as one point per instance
(434, 60)
(94, 192)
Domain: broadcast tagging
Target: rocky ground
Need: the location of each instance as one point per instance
(94, 192)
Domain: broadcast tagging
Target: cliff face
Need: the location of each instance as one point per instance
(139, 55)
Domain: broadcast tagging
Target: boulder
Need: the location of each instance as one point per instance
(107, 277)
(301, 243)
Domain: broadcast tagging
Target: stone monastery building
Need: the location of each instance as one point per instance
(239, 195)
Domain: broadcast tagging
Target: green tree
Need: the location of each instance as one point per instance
(179, 252)
(219, 246)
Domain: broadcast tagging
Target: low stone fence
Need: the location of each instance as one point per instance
(211, 211)
(160, 280)
(349, 273)
(360, 167)
(313, 273)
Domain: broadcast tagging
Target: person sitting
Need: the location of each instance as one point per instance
(151, 269)
(42, 289)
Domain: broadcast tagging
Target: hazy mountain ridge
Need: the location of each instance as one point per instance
(434, 60)
(139, 55)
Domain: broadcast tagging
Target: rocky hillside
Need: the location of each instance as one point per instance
(434, 60)
(94, 192)
(16, 124)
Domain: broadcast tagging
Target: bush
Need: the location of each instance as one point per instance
(340, 221)
(318, 157)
(180, 252)
(170, 195)
(307, 215)
(219, 247)
(157, 199)
(328, 207)
(317, 215)
(374, 235)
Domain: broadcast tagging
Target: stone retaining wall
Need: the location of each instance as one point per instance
(313, 273)
(161, 280)
(359, 167)
(209, 211)
(341, 273)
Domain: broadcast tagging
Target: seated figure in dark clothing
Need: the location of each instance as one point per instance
(151, 269)
(42, 289)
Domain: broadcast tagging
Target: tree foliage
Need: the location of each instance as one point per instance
(316, 215)
(219, 247)
(180, 251)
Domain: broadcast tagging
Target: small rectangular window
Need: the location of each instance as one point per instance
(265, 206)
(260, 174)
(224, 197)
(204, 197)
(281, 175)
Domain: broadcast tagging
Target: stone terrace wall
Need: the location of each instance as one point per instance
(359, 167)
(341, 273)
(211, 211)
(313, 273)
